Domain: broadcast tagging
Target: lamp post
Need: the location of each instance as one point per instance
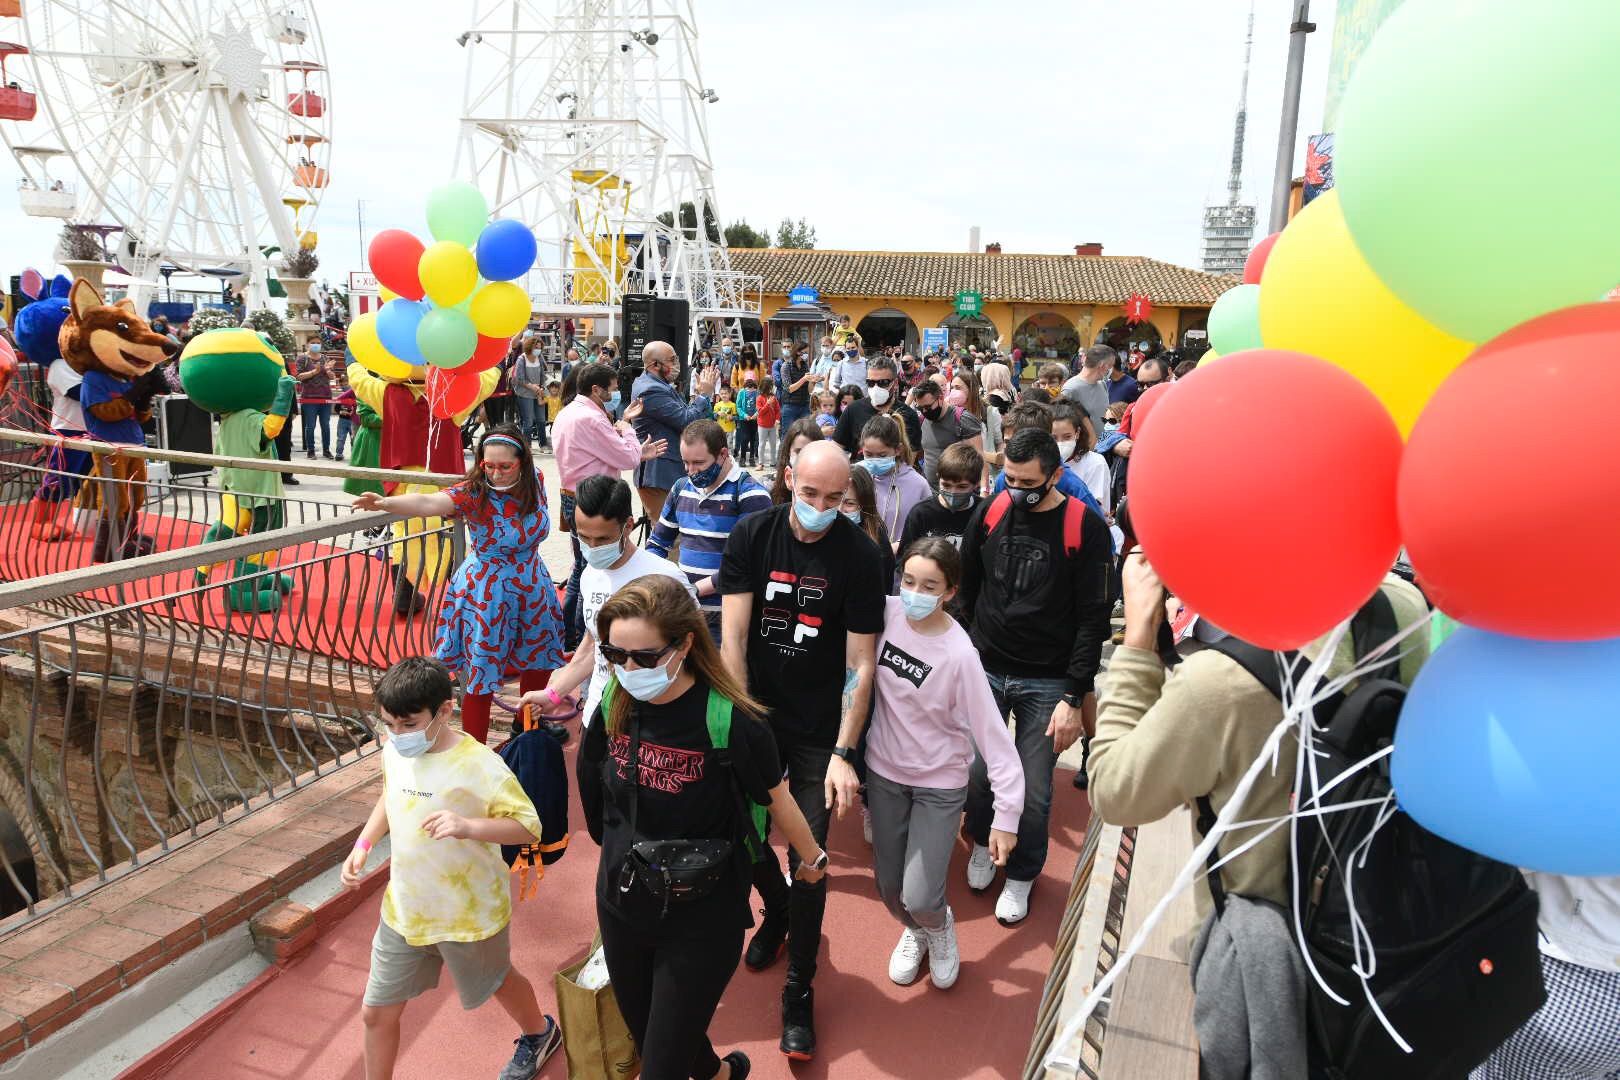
(1288, 129)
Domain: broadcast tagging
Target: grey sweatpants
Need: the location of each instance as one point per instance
(913, 834)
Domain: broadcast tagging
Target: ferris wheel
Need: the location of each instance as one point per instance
(199, 128)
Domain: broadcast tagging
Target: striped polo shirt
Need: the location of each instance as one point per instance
(703, 522)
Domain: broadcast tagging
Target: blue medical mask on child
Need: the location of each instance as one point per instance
(812, 519)
(412, 744)
(644, 684)
(918, 605)
(603, 558)
(878, 466)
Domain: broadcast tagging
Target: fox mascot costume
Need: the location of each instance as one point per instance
(414, 440)
(238, 374)
(114, 349)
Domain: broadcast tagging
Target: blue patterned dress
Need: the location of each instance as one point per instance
(500, 609)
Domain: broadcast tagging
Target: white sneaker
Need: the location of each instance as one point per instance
(906, 960)
(1013, 904)
(981, 869)
(944, 961)
(866, 825)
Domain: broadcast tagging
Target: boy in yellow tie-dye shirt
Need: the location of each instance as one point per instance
(448, 804)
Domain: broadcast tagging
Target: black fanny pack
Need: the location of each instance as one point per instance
(671, 871)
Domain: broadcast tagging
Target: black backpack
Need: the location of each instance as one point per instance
(1456, 965)
(536, 760)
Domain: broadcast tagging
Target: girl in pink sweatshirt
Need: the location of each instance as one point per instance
(931, 707)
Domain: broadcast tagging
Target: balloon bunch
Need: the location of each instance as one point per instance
(451, 308)
(1369, 368)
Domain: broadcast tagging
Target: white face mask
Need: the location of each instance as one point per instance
(1066, 448)
(879, 396)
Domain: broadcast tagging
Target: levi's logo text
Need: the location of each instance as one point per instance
(784, 621)
(905, 665)
(663, 768)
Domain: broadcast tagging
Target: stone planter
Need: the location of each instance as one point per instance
(298, 309)
(91, 270)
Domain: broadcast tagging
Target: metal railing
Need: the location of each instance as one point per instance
(145, 701)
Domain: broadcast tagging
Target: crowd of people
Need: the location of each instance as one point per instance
(903, 616)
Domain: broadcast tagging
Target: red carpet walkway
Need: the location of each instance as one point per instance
(306, 1022)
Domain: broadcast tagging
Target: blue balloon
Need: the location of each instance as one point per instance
(506, 250)
(397, 321)
(1510, 747)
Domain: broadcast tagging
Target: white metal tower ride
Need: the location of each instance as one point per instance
(585, 120)
(1229, 228)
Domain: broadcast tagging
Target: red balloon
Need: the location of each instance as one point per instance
(489, 352)
(450, 391)
(1279, 541)
(1510, 536)
(1256, 262)
(1137, 414)
(394, 254)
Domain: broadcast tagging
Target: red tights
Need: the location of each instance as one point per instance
(475, 707)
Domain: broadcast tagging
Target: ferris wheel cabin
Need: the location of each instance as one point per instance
(306, 102)
(44, 196)
(15, 102)
(307, 175)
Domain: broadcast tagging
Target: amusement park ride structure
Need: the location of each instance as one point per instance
(197, 131)
(586, 120)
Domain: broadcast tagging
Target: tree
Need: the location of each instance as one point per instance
(689, 226)
(212, 319)
(740, 234)
(795, 235)
(273, 327)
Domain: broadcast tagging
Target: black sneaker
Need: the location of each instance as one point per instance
(798, 1022)
(768, 941)
(740, 1065)
(532, 1053)
(1081, 780)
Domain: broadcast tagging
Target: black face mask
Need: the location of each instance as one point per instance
(932, 412)
(1027, 498)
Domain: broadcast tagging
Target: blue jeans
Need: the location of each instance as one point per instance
(345, 427)
(528, 409)
(312, 414)
(1031, 702)
(791, 413)
(573, 615)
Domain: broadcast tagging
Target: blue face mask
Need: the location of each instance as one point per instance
(603, 558)
(878, 466)
(412, 744)
(853, 515)
(613, 401)
(704, 480)
(918, 605)
(814, 520)
(644, 684)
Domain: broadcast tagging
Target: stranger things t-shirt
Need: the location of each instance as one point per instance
(807, 598)
(684, 792)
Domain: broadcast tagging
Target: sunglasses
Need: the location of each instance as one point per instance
(879, 382)
(499, 466)
(644, 658)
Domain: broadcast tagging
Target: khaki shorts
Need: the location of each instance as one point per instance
(401, 971)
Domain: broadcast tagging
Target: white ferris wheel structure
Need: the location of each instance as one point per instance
(586, 120)
(193, 136)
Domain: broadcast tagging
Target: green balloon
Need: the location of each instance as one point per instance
(1476, 163)
(457, 212)
(446, 337)
(1234, 321)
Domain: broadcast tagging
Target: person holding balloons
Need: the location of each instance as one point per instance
(500, 609)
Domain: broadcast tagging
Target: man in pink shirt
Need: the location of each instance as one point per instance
(590, 443)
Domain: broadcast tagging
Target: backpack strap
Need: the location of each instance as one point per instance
(996, 511)
(1206, 822)
(1261, 663)
(1371, 626)
(717, 715)
(1074, 522)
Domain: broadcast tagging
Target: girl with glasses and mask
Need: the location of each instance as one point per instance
(653, 780)
(931, 710)
(887, 456)
(500, 609)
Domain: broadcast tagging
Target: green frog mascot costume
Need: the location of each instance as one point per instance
(236, 373)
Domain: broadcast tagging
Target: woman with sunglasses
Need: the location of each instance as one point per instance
(650, 774)
(500, 609)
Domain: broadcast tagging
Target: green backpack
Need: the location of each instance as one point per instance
(718, 718)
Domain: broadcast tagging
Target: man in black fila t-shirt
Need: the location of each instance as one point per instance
(802, 600)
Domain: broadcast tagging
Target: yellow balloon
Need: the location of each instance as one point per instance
(386, 293)
(1209, 357)
(448, 272)
(500, 309)
(1319, 296)
(370, 352)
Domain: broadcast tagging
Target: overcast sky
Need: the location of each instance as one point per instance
(1045, 122)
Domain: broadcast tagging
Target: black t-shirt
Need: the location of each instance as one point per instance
(929, 518)
(684, 793)
(807, 598)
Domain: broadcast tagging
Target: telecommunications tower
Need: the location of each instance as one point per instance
(585, 119)
(1229, 227)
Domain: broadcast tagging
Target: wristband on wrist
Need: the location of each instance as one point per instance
(363, 844)
(552, 694)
